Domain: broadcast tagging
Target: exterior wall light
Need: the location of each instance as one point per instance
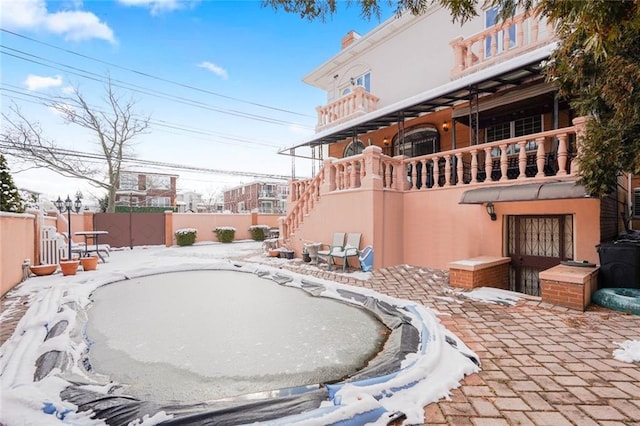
(385, 141)
(445, 126)
(491, 211)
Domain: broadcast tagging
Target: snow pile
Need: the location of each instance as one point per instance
(629, 351)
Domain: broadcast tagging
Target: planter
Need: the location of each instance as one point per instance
(89, 263)
(42, 270)
(69, 267)
(306, 257)
(274, 253)
(286, 254)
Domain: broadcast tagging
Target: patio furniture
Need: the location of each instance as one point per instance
(351, 249)
(337, 244)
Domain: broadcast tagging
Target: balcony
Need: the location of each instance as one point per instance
(536, 158)
(348, 107)
(496, 44)
(268, 195)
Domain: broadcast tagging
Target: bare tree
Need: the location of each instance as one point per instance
(113, 127)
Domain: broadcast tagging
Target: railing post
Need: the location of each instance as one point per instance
(458, 56)
(488, 165)
(540, 157)
(581, 127)
(504, 162)
(474, 166)
(371, 158)
(460, 169)
(447, 170)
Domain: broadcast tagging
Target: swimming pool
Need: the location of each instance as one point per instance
(203, 335)
(44, 366)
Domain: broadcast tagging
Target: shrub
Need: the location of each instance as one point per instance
(225, 234)
(259, 232)
(186, 236)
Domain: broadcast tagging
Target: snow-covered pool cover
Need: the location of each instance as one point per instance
(43, 380)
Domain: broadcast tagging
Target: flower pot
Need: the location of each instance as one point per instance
(286, 254)
(69, 267)
(41, 270)
(89, 263)
(306, 257)
(274, 253)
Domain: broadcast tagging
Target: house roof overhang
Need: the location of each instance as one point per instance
(557, 190)
(506, 74)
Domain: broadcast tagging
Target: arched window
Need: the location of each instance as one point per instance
(417, 141)
(354, 148)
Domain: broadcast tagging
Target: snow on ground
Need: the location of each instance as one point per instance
(491, 295)
(629, 351)
(426, 376)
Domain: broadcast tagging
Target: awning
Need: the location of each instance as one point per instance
(525, 192)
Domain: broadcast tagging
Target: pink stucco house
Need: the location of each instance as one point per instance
(445, 147)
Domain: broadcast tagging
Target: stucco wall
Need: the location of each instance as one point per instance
(438, 230)
(17, 243)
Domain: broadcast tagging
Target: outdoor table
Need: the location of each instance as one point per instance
(93, 235)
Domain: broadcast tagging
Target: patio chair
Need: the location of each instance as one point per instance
(337, 244)
(351, 249)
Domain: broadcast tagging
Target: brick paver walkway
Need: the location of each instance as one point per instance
(541, 365)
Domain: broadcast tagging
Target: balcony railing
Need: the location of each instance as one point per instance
(534, 157)
(350, 106)
(495, 44)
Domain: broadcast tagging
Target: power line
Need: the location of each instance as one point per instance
(144, 74)
(158, 122)
(139, 89)
(151, 163)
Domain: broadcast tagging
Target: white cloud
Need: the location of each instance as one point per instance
(38, 82)
(214, 69)
(71, 24)
(160, 6)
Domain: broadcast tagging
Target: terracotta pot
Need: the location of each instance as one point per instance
(41, 270)
(69, 267)
(89, 263)
(274, 253)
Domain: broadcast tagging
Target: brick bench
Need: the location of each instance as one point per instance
(569, 286)
(482, 271)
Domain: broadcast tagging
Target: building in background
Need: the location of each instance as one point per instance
(146, 189)
(263, 197)
(194, 202)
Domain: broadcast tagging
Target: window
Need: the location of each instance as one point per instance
(128, 181)
(363, 80)
(418, 141)
(636, 203)
(491, 19)
(511, 129)
(158, 182)
(159, 201)
(354, 148)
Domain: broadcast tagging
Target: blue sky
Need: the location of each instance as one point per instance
(236, 49)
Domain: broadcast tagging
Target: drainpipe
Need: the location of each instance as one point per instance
(629, 201)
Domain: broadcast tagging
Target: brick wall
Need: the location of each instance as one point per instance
(492, 273)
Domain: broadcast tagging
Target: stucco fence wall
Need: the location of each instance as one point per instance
(17, 244)
(205, 223)
(19, 234)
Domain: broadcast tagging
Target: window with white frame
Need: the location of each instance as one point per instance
(491, 19)
(128, 181)
(159, 201)
(158, 182)
(512, 129)
(363, 80)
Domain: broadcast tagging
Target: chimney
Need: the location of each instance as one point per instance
(349, 39)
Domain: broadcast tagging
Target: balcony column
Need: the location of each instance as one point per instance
(504, 162)
(540, 157)
(447, 170)
(371, 158)
(488, 165)
(562, 154)
(522, 160)
(460, 169)
(436, 172)
(474, 166)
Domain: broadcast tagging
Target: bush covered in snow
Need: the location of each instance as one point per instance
(186, 236)
(259, 232)
(225, 234)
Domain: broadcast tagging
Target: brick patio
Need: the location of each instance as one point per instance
(541, 365)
